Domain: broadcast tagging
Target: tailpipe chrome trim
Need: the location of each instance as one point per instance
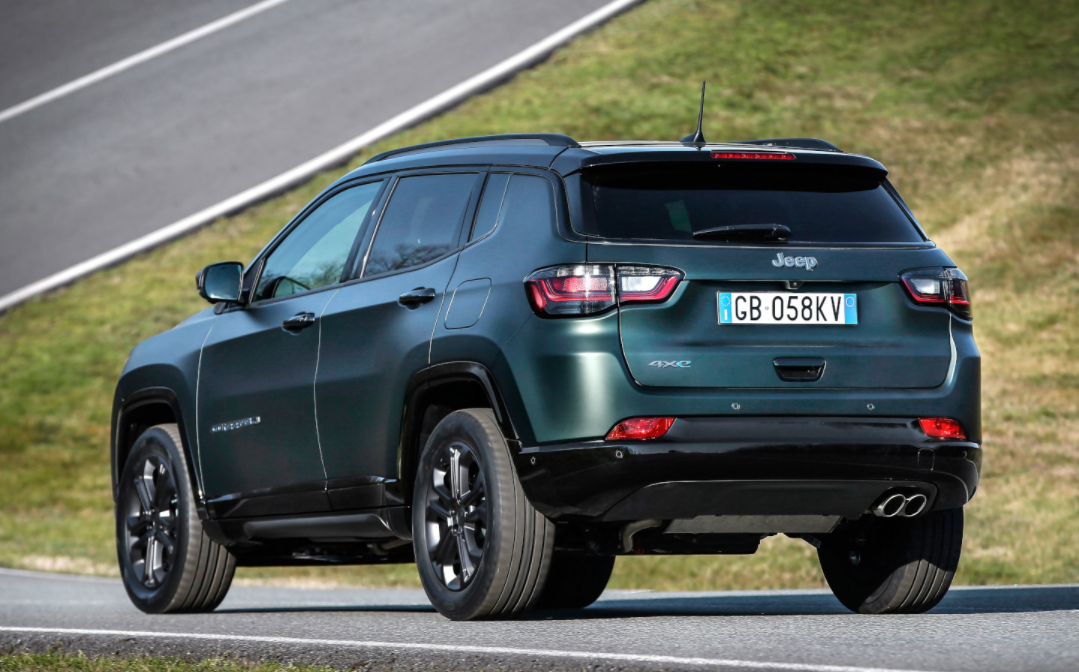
(890, 506)
(914, 505)
(901, 504)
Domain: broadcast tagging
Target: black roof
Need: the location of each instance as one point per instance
(565, 155)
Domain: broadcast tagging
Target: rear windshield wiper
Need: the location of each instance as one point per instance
(768, 233)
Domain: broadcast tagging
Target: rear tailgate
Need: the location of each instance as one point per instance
(681, 342)
(792, 268)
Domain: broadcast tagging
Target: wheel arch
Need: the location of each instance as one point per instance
(433, 393)
(136, 413)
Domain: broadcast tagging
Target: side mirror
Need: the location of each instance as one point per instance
(220, 281)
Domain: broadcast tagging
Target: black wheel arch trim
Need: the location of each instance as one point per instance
(428, 379)
(121, 441)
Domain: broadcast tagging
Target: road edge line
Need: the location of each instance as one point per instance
(336, 156)
(137, 59)
(719, 663)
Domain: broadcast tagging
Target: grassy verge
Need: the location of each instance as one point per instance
(974, 108)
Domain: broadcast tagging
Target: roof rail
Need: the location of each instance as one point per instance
(549, 139)
(793, 143)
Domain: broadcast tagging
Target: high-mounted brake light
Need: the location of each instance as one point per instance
(943, 286)
(588, 289)
(767, 156)
(640, 428)
(941, 428)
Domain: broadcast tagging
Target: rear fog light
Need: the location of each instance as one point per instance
(941, 428)
(640, 428)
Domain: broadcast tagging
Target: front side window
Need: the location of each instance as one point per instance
(421, 222)
(313, 254)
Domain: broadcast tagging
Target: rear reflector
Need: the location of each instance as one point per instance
(640, 428)
(941, 428)
(768, 156)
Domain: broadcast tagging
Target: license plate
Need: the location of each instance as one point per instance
(787, 308)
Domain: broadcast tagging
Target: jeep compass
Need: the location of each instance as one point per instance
(511, 359)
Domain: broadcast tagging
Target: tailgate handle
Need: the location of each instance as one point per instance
(799, 369)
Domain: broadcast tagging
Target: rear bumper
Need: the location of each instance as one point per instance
(749, 466)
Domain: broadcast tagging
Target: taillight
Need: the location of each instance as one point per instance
(581, 289)
(941, 428)
(943, 286)
(589, 289)
(640, 428)
(638, 284)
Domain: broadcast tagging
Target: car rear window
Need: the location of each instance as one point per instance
(669, 202)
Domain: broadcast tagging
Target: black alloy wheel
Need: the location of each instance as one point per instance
(167, 561)
(482, 550)
(150, 508)
(456, 514)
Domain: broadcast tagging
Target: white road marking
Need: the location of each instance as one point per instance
(336, 156)
(139, 58)
(450, 648)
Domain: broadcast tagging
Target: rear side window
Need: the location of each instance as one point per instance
(421, 222)
(525, 200)
(669, 202)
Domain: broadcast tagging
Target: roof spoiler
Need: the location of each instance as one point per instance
(793, 143)
(507, 139)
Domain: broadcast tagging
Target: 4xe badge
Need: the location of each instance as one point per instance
(808, 263)
(659, 364)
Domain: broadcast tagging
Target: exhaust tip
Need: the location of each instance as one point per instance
(914, 505)
(890, 506)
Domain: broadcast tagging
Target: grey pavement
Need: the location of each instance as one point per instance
(984, 629)
(94, 170)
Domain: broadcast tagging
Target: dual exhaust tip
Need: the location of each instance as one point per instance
(901, 505)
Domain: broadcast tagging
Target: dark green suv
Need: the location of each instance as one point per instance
(510, 359)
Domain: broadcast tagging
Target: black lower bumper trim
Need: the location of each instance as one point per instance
(689, 499)
(749, 466)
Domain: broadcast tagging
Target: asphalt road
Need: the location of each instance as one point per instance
(133, 153)
(984, 629)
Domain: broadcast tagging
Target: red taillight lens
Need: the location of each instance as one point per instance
(638, 284)
(640, 428)
(768, 156)
(944, 286)
(588, 289)
(582, 289)
(941, 428)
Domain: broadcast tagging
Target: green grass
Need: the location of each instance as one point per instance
(973, 106)
(56, 661)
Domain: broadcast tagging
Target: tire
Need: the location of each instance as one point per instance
(576, 581)
(155, 511)
(893, 566)
(482, 551)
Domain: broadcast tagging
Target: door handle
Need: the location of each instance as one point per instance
(417, 296)
(799, 369)
(298, 322)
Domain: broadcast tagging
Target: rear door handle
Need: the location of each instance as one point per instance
(799, 369)
(417, 296)
(298, 322)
